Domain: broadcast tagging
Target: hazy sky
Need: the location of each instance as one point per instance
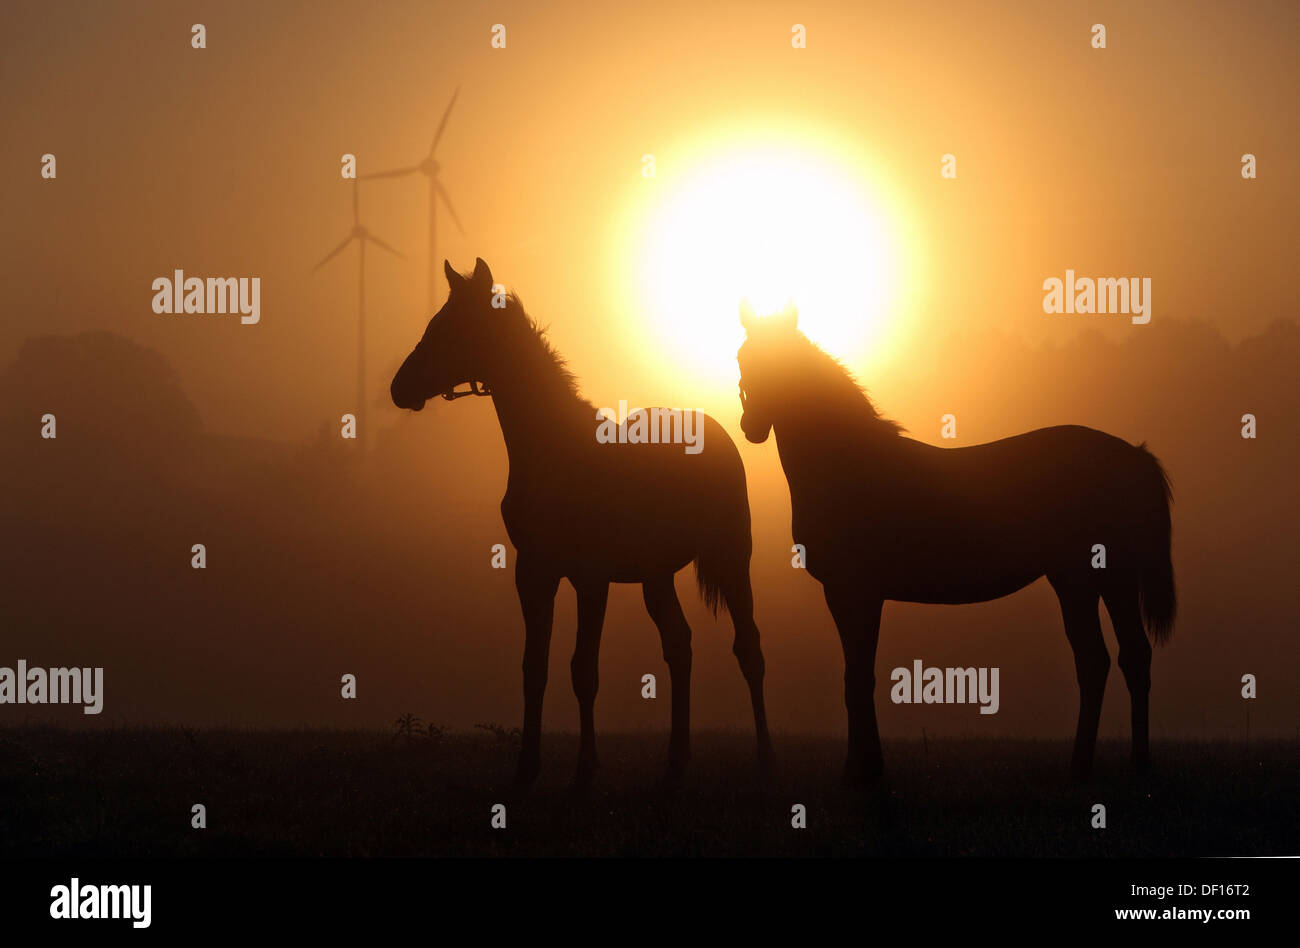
(225, 162)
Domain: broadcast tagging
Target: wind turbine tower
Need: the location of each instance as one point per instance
(430, 168)
(362, 236)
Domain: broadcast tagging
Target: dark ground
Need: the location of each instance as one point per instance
(128, 792)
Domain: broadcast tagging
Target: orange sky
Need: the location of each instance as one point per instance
(225, 161)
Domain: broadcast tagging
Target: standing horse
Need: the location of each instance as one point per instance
(594, 513)
(884, 517)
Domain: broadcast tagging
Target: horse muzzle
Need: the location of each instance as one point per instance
(756, 432)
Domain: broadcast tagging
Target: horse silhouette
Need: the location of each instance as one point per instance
(594, 513)
(882, 516)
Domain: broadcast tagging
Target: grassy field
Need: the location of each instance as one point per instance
(128, 792)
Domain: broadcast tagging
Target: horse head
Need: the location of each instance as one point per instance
(762, 368)
(457, 346)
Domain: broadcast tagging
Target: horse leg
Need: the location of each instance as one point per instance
(675, 634)
(1135, 663)
(592, 596)
(1091, 666)
(857, 617)
(536, 586)
(738, 593)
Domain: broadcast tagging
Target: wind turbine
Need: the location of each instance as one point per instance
(430, 168)
(361, 235)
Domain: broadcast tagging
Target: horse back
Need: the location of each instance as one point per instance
(983, 520)
(637, 508)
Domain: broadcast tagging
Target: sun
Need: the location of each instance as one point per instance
(771, 223)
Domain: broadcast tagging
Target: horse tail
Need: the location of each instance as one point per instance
(728, 543)
(708, 576)
(730, 550)
(1156, 578)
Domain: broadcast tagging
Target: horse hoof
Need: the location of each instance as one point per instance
(526, 774)
(862, 774)
(675, 774)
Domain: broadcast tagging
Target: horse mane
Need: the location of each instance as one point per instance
(837, 385)
(546, 352)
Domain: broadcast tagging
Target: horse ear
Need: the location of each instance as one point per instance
(789, 315)
(482, 275)
(747, 316)
(454, 279)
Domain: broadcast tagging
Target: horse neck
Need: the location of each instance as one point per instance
(819, 439)
(537, 408)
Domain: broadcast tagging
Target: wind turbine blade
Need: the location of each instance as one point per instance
(443, 124)
(333, 253)
(442, 193)
(395, 173)
(373, 239)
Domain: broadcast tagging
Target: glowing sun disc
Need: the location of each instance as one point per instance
(771, 225)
